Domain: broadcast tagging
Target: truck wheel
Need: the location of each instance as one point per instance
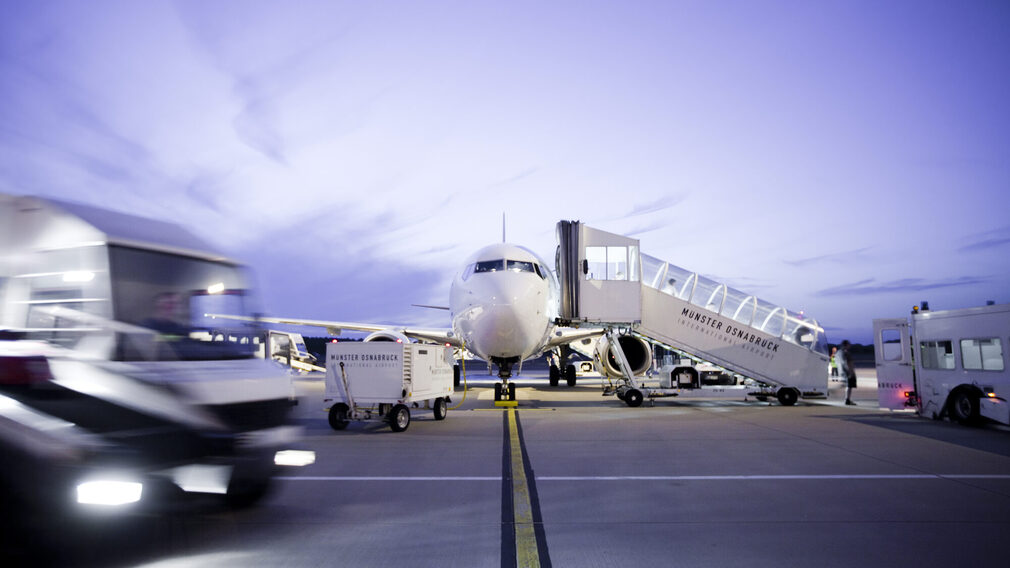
(787, 396)
(440, 409)
(243, 493)
(633, 397)
(570, 375)
(963, 407)
(399, 418)
(555, 375)
(250, 481)
(338, 416)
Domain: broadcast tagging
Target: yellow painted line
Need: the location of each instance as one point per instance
(524, 409)
(526, 538)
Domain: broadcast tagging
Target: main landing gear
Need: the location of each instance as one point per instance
(555, 375)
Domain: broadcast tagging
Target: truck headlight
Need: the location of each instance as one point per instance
(109, 492)
(295, 458)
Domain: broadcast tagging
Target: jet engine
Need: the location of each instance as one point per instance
(636, 350)
(387, 335)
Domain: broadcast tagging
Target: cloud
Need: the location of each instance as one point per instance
(838, 257)
(316, 270)
(870, 286)
(643, 209)
(513, 179)
(647, 228)
(661, 204)
(264, 73)
(994, 239)
(255, 124)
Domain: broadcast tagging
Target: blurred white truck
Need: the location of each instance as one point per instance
(105, 334)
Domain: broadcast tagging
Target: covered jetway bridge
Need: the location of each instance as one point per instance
(606, 281)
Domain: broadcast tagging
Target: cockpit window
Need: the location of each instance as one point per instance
(502, 264)
(489, 266)
(520, 266)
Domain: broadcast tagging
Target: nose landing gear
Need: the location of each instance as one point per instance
(504, 391)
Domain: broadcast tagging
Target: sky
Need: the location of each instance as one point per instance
(844, 158)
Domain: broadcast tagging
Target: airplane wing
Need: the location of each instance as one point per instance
(568, 335)
(335, 328)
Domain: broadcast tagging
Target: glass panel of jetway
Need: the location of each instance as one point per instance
(738, 306)
(701, 317)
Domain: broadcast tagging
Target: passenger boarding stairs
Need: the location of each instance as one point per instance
(606, 282)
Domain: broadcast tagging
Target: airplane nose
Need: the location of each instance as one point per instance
(510, 324)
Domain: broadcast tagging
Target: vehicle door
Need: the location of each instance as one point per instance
(895, 365)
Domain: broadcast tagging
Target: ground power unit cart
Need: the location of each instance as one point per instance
(379, 381)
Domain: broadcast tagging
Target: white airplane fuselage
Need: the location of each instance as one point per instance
(503, 305)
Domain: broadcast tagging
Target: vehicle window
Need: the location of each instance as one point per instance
(170, 295)
(489, 266)
(890, 342)
(467, 272)
(539, 271)
(520, 266)
(937, 354)
(982, 354)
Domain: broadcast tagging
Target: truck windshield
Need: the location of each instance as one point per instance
(169, 295)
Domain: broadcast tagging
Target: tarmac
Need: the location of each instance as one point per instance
(574, 478)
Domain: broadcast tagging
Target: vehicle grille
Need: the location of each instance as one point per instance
(253, 415)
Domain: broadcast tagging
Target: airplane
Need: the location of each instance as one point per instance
(504, 306)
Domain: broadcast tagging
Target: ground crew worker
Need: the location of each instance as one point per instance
(845, 366)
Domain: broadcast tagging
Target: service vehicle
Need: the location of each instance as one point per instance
(109, 359)
(945, 363)
(382, 380)
(288, 348)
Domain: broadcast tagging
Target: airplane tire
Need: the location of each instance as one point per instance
(440, 409)
(399, 418)
(455, 376)
(497, 391)
(512, 391)
(338, 416)
(555, 375)
(787, 397)
(570, 375)
(633, 397)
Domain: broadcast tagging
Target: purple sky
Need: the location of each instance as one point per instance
(849, 158)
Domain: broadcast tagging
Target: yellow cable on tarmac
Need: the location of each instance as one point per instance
(462, 364)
